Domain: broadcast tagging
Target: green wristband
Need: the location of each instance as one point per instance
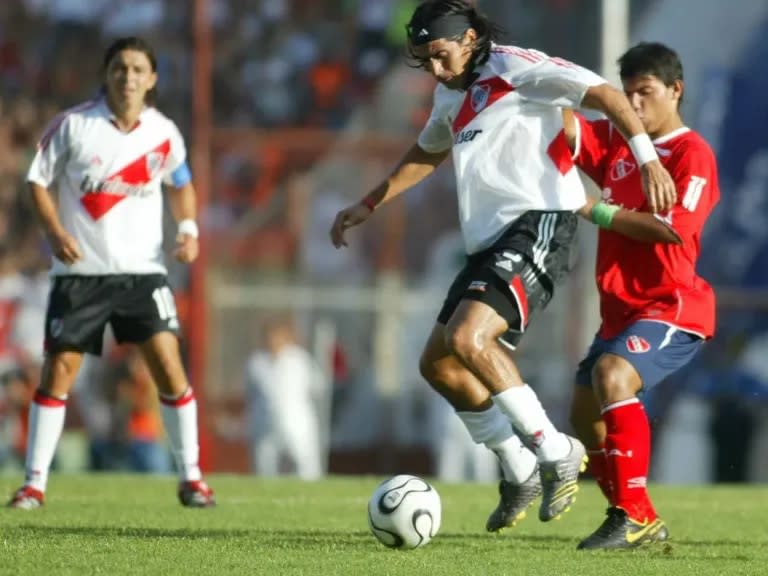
(602, 214)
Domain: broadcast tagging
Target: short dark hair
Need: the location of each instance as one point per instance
(139, 45)
(431, 10)
(653, 59)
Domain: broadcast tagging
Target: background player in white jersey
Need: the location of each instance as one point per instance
(107, 160)
(498, 109)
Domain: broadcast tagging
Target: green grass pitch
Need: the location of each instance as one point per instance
(106, 524)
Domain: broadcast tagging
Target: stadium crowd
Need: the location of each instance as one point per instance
(299, 49)
(278, 64)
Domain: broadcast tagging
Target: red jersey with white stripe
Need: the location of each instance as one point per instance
(509, 153)
(109, 186)
(638, 280)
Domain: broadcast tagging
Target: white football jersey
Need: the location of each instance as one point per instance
(509, 152)
(109, 186)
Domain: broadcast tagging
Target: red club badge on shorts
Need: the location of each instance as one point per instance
(638, 345)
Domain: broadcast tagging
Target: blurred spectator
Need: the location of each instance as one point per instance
(285, 392)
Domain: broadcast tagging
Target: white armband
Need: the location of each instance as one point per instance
(643, 149)
(188, 227)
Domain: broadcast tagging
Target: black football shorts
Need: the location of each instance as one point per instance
(137, 306)
(517, 275)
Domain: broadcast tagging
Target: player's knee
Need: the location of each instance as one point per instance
(427, 367)
(611, 381)
(465, 341)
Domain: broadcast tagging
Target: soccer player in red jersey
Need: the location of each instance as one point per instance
(656, 311)
(108, 159)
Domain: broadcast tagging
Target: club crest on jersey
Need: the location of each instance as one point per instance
(622, 169)
(155, 162)
(479, 98)
(638, 345)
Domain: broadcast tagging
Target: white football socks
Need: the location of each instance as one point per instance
(521, 405)
(46, 422)
(180, 420)
(493, 429)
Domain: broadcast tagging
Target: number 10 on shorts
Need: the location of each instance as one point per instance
(166, 305)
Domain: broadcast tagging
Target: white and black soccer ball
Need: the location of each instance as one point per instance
(404, 512)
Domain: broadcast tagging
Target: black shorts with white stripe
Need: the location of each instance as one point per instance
(517, 275)
(137, 306)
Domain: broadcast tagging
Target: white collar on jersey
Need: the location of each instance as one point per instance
(671, 136)
(106, 111)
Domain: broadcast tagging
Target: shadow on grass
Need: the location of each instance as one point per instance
(354, 540)
(282, 537)
(130, 532)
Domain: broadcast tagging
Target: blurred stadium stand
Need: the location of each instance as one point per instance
(311, 101)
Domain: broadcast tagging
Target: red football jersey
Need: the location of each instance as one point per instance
(638, 280)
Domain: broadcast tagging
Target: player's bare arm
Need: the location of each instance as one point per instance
(416, 165)
(63, 245)
(183, 203)
(640, 226)
(658, 185)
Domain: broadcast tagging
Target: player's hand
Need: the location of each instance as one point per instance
(65, 247)
(187, 248)
(347, 218)
(658, 186)
(586, 210)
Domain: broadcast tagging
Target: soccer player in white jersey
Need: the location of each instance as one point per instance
(498, 109)
(108, 159)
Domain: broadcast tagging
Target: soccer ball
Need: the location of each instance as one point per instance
(404, 512)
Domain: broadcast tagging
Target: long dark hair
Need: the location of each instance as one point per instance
(431, 10)
(138, 45)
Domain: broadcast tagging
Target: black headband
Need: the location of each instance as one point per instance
(448, 26)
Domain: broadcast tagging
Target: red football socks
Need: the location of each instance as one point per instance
(628, 452)
(598, 468)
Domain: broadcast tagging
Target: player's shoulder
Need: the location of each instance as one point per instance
(696, 142)
(443, 98)
(685, 143)
(82, 111)
(68, 121)
(155, 115)
(513, 56)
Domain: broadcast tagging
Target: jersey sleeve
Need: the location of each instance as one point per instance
(436, 136)
(695, 176)
(52, 151)
(176, 172)
(554, 81)
(593, 140)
